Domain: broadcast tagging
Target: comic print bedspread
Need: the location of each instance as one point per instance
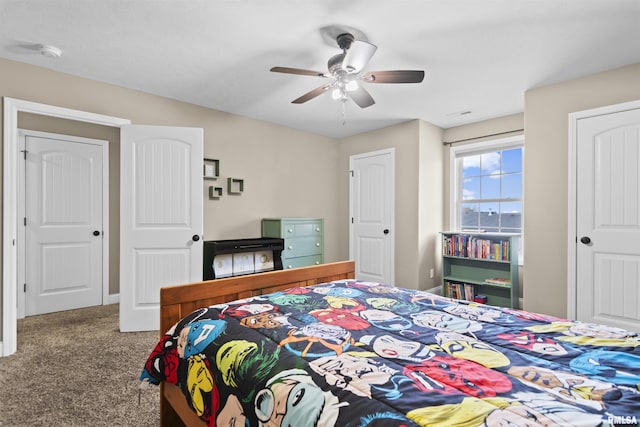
(353, 354)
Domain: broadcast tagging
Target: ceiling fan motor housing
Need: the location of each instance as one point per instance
(345, 40)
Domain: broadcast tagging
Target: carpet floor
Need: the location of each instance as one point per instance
(74, 368)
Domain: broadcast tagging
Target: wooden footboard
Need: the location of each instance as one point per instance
(178, 301)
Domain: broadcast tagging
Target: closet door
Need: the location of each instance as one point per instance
(64, 222)
(161, 225)
(371, 199)
(608, 219)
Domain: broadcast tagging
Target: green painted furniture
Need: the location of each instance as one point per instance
(303, 239)
(481, 264)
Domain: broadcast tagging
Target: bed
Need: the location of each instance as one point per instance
(314, 346)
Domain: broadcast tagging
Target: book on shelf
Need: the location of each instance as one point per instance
(463, 291)
(499, 281)
(471, 246)
(480, 299)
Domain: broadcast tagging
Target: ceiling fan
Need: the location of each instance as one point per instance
(346, 70)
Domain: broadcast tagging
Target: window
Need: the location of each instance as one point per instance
(486, 186)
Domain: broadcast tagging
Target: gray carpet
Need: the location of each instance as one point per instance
(75, 368)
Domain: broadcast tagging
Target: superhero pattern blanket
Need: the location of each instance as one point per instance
(356, 354)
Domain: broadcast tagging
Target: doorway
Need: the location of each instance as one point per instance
(11, 220)
(12, 107)
(63, 193)
(371, 206)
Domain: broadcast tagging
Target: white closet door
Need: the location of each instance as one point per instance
(63, 222)
(372, 212)
(608, 219)
(161, 225)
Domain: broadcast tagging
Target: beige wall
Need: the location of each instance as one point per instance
(546, 181)
(293, 173)
(286, 172)
(418, 188)
(500, 127)
(430, 209)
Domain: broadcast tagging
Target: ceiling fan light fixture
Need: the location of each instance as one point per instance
(346, 70)
(351, 85)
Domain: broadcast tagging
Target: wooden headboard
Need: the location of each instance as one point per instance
(180, 300)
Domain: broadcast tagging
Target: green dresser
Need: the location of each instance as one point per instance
(303, 239)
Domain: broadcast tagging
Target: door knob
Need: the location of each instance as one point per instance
(195, 238)
(96, 232)
(386, 231)
(585, 239)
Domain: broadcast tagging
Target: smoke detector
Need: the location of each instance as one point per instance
(50, 51)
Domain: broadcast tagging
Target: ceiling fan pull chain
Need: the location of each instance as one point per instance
(344, 111)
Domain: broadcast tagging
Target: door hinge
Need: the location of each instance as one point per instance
(352, 221)
(351, 173)
(25, 288)
(25, 221)
(24, 154)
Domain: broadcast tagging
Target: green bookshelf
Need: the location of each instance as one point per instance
(481, 264)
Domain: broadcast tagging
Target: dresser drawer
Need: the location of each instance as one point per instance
(292, 227)
(302, 261)
(301, 229)
(302, 246)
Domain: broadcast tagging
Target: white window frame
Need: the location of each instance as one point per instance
(455, 175)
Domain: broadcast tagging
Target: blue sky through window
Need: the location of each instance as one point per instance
(492, 190)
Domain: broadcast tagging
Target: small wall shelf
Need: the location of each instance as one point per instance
(215, 193)
(235, 185)
(211, 169)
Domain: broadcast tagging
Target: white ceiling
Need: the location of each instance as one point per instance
(479, 55)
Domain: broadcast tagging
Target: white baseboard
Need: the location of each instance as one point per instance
(112, 299)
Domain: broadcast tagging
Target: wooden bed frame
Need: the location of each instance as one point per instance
(178, 301)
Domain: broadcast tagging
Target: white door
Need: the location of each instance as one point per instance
(161, 226)
(608, 219)
(63, 222)
(371, 242)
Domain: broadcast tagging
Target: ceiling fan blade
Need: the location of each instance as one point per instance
(312, 94)
(397, 76)
(358, 56)
(300, 71)
(361, 97)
